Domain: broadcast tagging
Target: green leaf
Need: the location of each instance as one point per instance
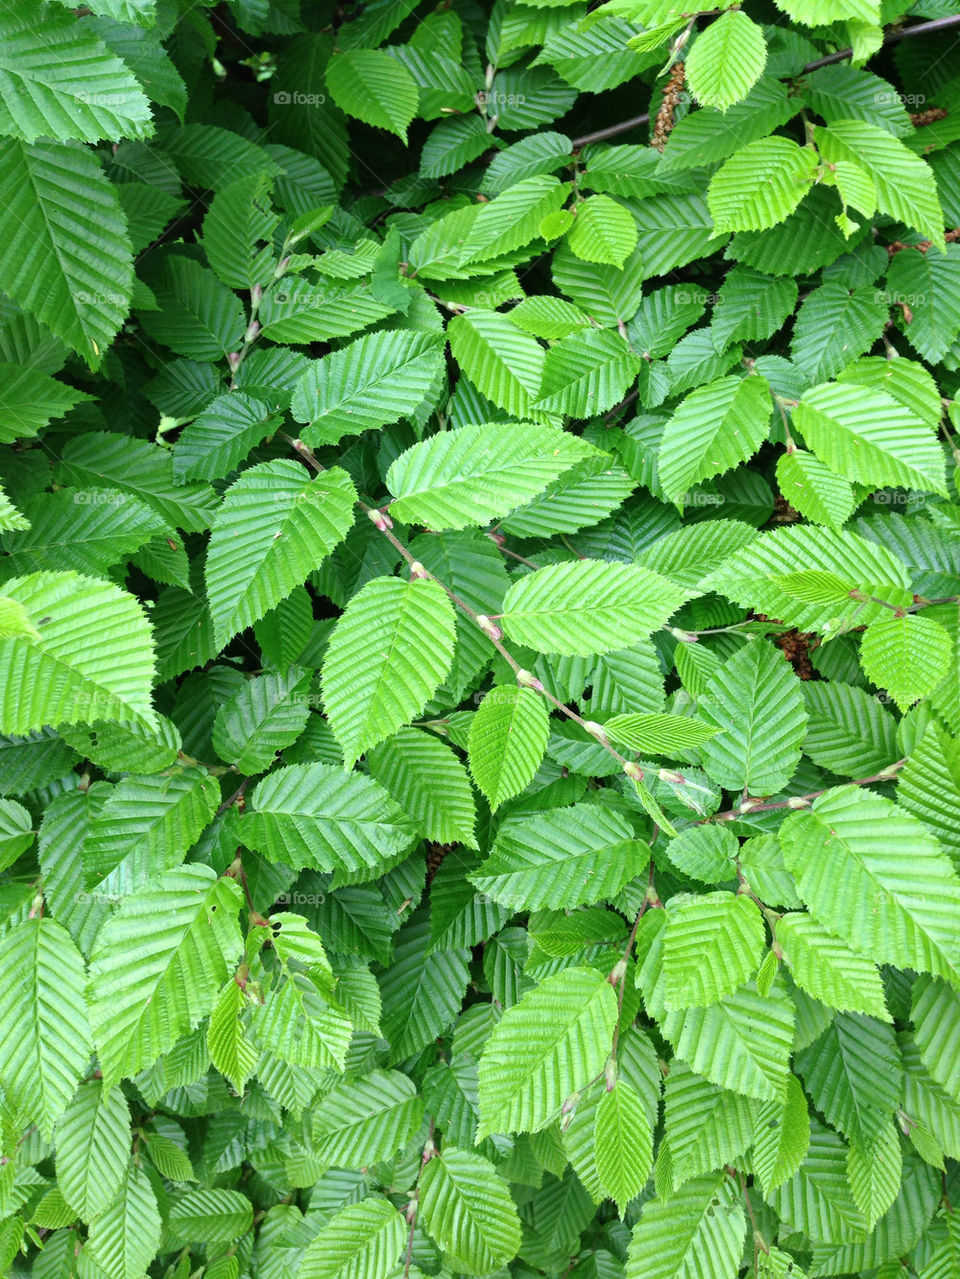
(145, 826)
(899, 892)
(705, 1126)
(546, 1047)
(503, 363)
(275, 526)
(875, 1173)
(814, 490)
(479, 472)
(658, 734)
(742, 1042)
(761, 184)
(429, 782)
(587, 373)
(782, 1138)
(92, 1141)
(726, 60)
(909, 656)
(587, 607)
(699, 1230)
(231, 1051)
(266, 714)
(55, 675)
(29, 399)
(712, 944)
(834, 326)
(123, 1240)
(827, 968)
(468, 1210)
(508, 738)
(373, 87)
(603, 231)
(624, 1144)
(904, 183)
(44, 1032)
(713, 429)
(363, 1121)
(561, 859)
(852, 1073)
(222, 436)
(196, 315)
(361, 1241)
(369, 383)
(422, 990)
(755, 701)
(388, 655)
(60, 202)
(143, 999)
(929, 285)
(316, 815)
(59, 81)
(866, 435)
(237, 233)
(215, 1216)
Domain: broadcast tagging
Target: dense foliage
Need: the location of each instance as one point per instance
(479, 640)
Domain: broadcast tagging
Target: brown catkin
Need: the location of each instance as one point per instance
(663, 125)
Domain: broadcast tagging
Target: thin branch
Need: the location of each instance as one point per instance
(797, 801)
(920, 29)
(493, 633)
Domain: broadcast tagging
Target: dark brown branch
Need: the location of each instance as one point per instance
(920, 29)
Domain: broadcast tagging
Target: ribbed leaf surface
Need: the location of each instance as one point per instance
(929, 285)
(714, 428)
(57, 80)
(220, 437)
(908, 656)
(705, 1126)
(429, 782)
(561, 859)
(755, 700)
(468, 1210)
(93, 1148)
(479, 472)
(743, 1042)
(852, 1072)
(124, 1240)
(827, 968)
(45, 1037)
(603, 232)
(875, 876)
(503, 363)
(56, 675)
(158, 964)
(376, 380)
(210, 1215)
(588, 372)
(64, 250)
(782, 1137)
(422, 990)
(848, 731)
(389, 652)
(318, 816)
(587, 607)
(268, 713)
(874, 1173)
(275, 526)
(761, 184)
(146, 826)
(545, 1048)
(725, 64)
(362, 1121)
(834, 326)
(713, 944)
(866, 435)
(929, 786)
(508, 737)
(362, 1241)
(935, 1012)
(697, 1231)
(624, 1144)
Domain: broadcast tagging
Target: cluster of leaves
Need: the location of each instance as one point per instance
(479, 640)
